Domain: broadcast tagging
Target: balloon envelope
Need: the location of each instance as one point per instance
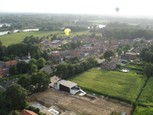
(117, 9)
(67, 31)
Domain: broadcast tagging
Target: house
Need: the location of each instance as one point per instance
(47, 69)
(2, 72)
(2, 64)
(26, 58)
(4, 67)
(7, 83)
(110, 65)
(10, 63)
(56, 56)
(129, 56)
(68, 86)
(27, 112)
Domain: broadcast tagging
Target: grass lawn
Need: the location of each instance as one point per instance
(18, 37)
(125, 86)
(143, 111)
(146, 96)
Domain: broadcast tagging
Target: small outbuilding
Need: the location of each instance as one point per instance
(68, 86)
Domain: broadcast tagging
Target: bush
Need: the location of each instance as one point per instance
(36, 110)
(15, 112)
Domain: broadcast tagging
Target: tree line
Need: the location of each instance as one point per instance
(125, 31)
(67, 70)
(44, 22)
(147, 56)
(23, 67)
(121, 33)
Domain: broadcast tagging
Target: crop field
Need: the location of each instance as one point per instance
(146, 96)
(143, 111)
(124, 86)
(135, 67)
(18, 37)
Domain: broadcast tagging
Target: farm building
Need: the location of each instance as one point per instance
(68, 86)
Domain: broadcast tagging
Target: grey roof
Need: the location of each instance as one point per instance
(66, 83)
(47, 69)
(2, 63)
(7, 83)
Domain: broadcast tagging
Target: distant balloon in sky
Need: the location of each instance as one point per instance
(117, 9)
(67, 31)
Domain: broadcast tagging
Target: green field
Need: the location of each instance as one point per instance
(18, 37)
(125, 86)
(143, 111)
(146, 96)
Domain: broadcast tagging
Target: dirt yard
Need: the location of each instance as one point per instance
(76, 105)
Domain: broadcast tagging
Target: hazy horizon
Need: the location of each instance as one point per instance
(127, 8)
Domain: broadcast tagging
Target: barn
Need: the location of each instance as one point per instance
(68, 86)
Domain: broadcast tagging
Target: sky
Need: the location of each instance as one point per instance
(142, 8)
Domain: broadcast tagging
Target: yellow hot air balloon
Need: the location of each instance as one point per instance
(67, 31)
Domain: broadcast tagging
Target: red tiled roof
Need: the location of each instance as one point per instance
(27, 112)
(11, 62)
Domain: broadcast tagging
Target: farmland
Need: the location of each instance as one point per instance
(116, 84)
(146, 96)
(18, 37)
(143, 111)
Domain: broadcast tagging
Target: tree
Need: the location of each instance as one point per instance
(34, 50)
(19, 49)
(3, 52)
(16, 97)
(25, 81)
(33, 68)
(12, 70)
(108, 55)
(147, 54)
(41, 62)
(62, 70)
(1, 43)
(119, 51)
(39, 81)
(148, 70)
(3, 108)
(126, 48)
(22, 67)
(33, 61)
(45, 55)
(16, 112)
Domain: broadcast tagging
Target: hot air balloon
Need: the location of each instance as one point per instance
(67, 31)
(117, 9)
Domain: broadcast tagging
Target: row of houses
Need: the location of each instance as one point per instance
(112, 64)
(92, 46)
(5, 65)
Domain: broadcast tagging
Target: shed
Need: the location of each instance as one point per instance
(68, 86)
